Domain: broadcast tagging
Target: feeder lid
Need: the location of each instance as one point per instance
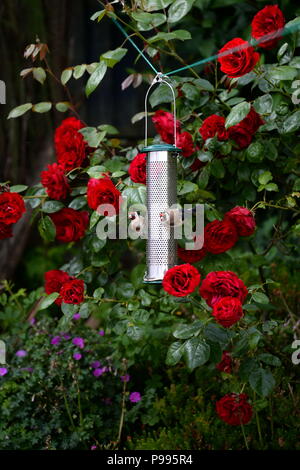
(161, 147)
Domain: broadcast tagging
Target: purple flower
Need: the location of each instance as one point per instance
(95, 364)
(66, 336)
(32, 321)
(101, 333)
(135, 397)
(55, 340)
(99, 371)
(77, 356)
(93, 447)
(78, 342)
(3, 371)
(125, 378)
(21, 353)
(76, 316)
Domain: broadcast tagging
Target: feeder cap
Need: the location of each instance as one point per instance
(161, 147)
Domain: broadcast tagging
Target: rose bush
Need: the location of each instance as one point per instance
(237, 128)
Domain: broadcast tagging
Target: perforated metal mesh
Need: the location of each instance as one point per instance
(161, 194)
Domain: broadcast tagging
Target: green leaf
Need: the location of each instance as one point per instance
(78, 203)
(98, 293)
(270, 187)
(66, 75)
(84, 310)
(217, 168)
(255, 152)
(269, 359)
(18, 188)
(265, 177)
(263, 104)
(52, 206)
(69, 309)
(141, 315)
(217, 334)
(190, 91)
(79, 71)
(260, 297)
(174, 353)
(185, 187)
(180, 34)
(148, 21)
(135, 195)
(39, 74)
(137, 275)
(152, 5)
(98, 15)
(179, 9)
(95, 78)
(282, 72)
(162, 94)
(19, 110)
(204, 84)
(246, 368)
(203, 178)
(137, 117)
(135, 332)
(63, 106)
(47, 301)
(196, 352)
(186, 331)
(111, 58)
(47, 229)
(292, 123)
(94, 219)
(262, 381)
(237, 114)
(42, 107)
(96, 171)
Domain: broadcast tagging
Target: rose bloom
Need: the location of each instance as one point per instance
(181, 280)
(242, 219)
(135, 397)
(164, 125)
(69, 144)
(70, 224)
(252, 121)
(267, 21)
(5, 231)
(214, 125)
(197, 164)
(72, 292)
(241, 136)
(219, 236)
(186, 144)
(12, 208)
(137, 169)
(234, 409)
(55, 182)
(218, 284)
(225, 365)
(54, 281)
(227, 311)
(192, 256)
(240, 61)
(103, 191)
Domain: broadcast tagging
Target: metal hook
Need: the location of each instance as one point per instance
(160, 78)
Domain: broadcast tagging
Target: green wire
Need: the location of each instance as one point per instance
(134, 45)
(287, 30)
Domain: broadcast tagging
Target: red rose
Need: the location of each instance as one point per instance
(192, 256)
(218, 284)
(185, 143)
(227, 311)
(252, 121)
(181, 280)
(137, 169)
(103, 191)
(55, 182)
(164, 125)
(219, 236)
(240, 135)
(237, 58)
(225, 365)
(234, 409)
(267, 21)
(54, 280)
(197, 164)
(242, 219)
(70, 224)
(72, 292)
(5, 231)
(214, 125)
(11, 207)
(69, 144)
